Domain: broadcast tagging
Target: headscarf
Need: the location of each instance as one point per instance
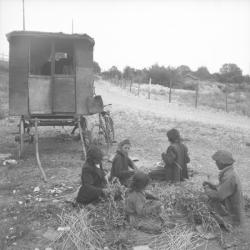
(173, 135)
(223, 157)
(139, 181)
(94, 153)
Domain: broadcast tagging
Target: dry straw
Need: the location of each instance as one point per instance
(81, 234)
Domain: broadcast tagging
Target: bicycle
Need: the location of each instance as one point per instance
(105, 129)
(106, 126)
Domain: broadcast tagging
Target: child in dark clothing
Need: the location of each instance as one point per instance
(93, 178)
(175, 159)
(122, 166)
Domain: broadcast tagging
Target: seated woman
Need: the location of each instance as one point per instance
(93, 178)
(122, 166)
(142, 209)
(175, 160)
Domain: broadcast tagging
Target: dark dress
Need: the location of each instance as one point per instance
(93, 182)
(175, 160)
(120, 167)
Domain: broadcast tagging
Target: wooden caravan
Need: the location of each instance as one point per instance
(51, 74)
(50, 80)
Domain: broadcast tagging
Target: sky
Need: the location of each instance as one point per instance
(141, 33)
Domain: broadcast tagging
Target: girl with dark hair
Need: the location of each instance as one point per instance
(176, 157)
(93, 178)
(175, 160)
(122, 166)
(143, 209)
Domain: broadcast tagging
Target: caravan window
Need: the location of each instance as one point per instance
(64, 57)
(40, 56)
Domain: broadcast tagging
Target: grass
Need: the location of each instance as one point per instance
(179, 238)
(80, 233)
(3, 94)
(189, 199)
(95, 227)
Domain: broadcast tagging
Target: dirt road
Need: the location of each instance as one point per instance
(121, 98)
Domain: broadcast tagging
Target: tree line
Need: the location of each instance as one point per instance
(228, 73)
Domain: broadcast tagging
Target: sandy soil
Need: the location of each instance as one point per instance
(26, 215)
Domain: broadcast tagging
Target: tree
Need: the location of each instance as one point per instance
(247, 79)
(216, 77)
(231, 73)
(159, 74)
(96, 68)
(183, 70)
(128, 73)
(115, 73)
(203, 73)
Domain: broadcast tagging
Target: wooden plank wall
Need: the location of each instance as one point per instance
(84, 75)
(18, 76)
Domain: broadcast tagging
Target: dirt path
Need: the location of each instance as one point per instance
(123, 99)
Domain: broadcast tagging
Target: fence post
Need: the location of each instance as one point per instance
(130, 87)
(138, 89)
(170, 91)
(196, 95)
(149, 88)
(226, 100)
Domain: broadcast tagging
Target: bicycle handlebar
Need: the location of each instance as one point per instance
(110, 104)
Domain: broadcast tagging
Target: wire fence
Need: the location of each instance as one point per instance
(235, 99)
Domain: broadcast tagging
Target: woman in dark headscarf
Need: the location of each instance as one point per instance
(122, 166)
(176, 157)
(93, 177)
(175, 160)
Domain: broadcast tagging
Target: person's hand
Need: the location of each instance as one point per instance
(135, 168)
(106, 191)
(206, 188)
(207, 183)
(131, 171)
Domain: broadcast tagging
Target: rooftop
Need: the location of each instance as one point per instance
(50, 34)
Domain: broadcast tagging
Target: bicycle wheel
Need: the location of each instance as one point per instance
(110, 127)
(85, 132)
(21, 135)
(103, 128)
